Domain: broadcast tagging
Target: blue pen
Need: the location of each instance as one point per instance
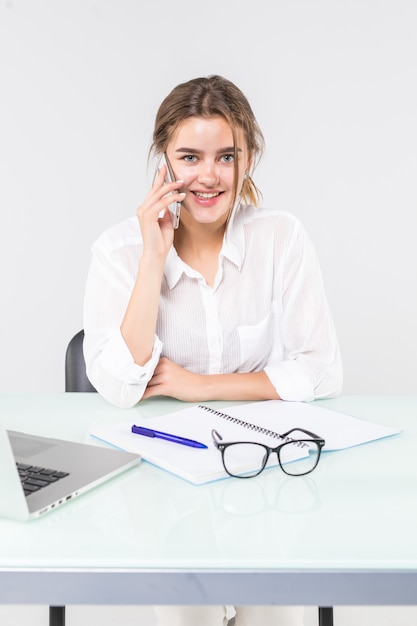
(148, 432)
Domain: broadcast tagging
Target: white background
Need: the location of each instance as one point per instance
(334, 87)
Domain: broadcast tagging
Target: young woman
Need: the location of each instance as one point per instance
(228, 306)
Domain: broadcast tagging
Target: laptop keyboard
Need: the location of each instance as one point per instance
(34, 478)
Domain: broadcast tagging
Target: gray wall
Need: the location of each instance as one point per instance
(333, 84)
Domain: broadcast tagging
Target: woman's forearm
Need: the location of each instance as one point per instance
(172, 380)
(250, 386)
(139, 323)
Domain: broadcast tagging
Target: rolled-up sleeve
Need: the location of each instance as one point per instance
(305, 362)
(109, 364)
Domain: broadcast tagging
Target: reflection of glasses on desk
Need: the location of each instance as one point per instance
(267, 495)
(245, 459)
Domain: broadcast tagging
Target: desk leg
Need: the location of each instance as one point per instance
(57, 616)
(325, 616)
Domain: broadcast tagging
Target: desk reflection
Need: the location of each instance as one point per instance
(172, 518)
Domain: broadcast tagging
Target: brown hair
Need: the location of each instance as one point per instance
(211, 97)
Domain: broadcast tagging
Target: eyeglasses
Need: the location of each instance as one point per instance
(246, 459)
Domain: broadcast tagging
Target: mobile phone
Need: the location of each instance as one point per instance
(174, 207)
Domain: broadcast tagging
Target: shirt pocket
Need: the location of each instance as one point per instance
(255, 344)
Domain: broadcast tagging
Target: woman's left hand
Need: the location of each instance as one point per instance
(170, 379)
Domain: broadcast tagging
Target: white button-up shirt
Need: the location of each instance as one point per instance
(267, 310)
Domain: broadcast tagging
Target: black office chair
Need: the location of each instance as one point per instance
(75, 375)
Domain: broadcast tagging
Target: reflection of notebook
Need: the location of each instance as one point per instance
(53, 472)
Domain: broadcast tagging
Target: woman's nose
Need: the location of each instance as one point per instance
(208, 173)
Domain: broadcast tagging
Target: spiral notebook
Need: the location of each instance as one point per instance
(258, 421)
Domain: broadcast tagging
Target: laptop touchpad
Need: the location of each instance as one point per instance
(26, 446)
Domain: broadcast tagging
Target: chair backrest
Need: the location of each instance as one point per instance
(75, 374)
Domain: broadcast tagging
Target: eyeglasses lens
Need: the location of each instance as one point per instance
(290, 451)
(244, 459)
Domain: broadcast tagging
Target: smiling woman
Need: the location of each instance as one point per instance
(228, 306)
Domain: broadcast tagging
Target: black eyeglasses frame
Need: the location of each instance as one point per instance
(312, 438)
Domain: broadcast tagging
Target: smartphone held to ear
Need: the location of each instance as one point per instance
(174, 207)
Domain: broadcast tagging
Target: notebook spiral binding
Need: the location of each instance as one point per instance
(254, 427)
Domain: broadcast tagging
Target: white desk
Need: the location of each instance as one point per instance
(345, 534)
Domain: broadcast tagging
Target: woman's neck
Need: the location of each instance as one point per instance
(199, 247)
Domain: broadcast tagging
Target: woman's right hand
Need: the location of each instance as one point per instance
(158, 232)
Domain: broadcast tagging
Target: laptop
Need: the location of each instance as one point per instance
(39, 474)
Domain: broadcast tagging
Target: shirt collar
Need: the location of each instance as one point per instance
(233, 249)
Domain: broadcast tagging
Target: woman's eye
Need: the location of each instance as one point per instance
(190, 158)
(228, 158)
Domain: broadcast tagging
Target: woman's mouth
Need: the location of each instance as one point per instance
(206, 195)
